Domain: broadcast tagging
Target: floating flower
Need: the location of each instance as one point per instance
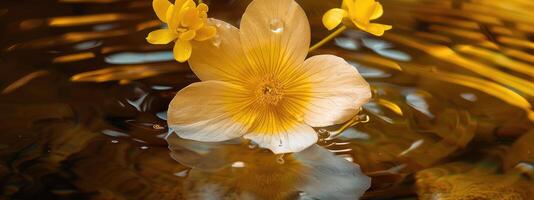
(257, 83)
(357, 13)
(186, 22)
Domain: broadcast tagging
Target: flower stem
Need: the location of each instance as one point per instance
(328, 38)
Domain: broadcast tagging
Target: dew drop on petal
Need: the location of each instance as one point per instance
(217, 23)
(276, 26)
(216, 41)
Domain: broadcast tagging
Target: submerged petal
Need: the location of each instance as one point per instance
(222, 58)
(333, 18)
(286, 139)
(182, 50)
(275, 34)
(336, 90)
(161, 36)
(160, 7)
(203, 111)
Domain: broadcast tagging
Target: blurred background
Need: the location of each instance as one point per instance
(84, 97)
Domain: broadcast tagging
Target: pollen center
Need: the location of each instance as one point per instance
(269, 91)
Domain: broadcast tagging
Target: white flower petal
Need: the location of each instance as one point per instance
(205, 111)
(275, 34)
(337, 90)
(220, 58)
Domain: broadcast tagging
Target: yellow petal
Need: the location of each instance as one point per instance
(178, 13)
(188, 35)
(289, 140)
(203, 7)
(161, 36)
(377, 12)
(222, 57)
(206, 33)
(363, 9)
(169, 13)
(182, 50)
(376, 29)
(200, 112)
(348, 5)
(160, 7)
(189, 17)
(333, 18)
(179, 3)
(275, 34)
(335, 89)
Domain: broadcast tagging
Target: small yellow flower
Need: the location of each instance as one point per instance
(357, 13)
(186, 22)
(257, 83)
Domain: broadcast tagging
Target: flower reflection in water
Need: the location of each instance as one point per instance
(233, 169)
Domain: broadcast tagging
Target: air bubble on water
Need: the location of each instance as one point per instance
(158, 127)
(276, 26)
(216, 41)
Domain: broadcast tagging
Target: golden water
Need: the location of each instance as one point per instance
(83, 98)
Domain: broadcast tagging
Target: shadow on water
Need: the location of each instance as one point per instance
(83, 101)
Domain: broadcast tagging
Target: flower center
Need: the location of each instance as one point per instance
(269, 92)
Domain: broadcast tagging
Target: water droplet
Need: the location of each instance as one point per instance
(238, 164)
(158, 127)
(216, 41)
(280, 159)
(217, 23)
(276, 25)
(144, 147)
(182, 173)
(363, 118)
(114, 141)
(469, 96)
(252, 145)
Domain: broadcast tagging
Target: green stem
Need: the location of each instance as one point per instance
(328, 38)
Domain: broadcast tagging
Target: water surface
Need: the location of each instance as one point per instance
(83, 101)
